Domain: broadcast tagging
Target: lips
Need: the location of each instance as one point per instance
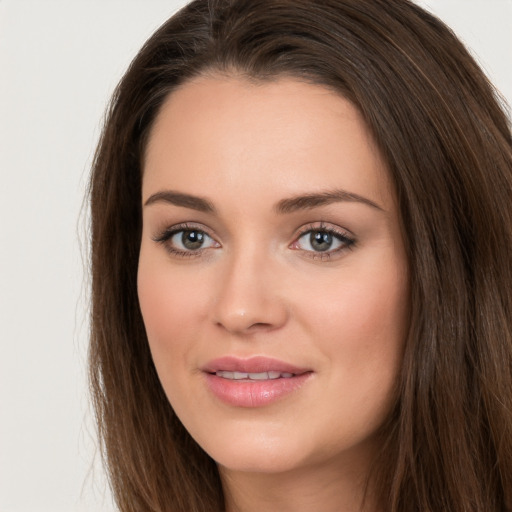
(258, 364)
(253, 376)
(253, 382)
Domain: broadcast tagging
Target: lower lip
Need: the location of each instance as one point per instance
(243, 393)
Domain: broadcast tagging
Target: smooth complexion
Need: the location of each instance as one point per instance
(271, 240)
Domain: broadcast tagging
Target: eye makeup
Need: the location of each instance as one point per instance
(323, 241)
(317, 240)
(186, 240)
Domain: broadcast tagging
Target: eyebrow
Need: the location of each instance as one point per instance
(179, 199)
(285, 206)
(309, 201)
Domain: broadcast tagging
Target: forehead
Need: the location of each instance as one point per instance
(226, 135)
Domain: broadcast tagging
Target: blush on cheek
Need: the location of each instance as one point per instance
(364, 321)
(172, 310)
(153, 286)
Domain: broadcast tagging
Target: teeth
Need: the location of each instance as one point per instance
(261, 376)
(253, 376)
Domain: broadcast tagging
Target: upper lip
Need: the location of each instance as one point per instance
(256, 364)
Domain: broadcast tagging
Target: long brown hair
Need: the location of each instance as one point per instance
(440, 125)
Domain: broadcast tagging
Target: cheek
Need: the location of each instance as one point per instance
(171, 308)
(363, 323)
(160, 300)
(361, 307)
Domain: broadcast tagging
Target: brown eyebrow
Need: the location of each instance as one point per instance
(290, 205)
(179, 199)
(308, 201)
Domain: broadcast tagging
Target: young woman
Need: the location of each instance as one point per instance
(301, 262)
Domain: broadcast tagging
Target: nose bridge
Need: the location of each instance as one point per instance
(248, 292)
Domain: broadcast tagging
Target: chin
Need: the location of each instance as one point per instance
(258, 460)
(250, 450)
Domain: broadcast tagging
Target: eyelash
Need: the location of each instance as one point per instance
(347, 241)
(168, 233)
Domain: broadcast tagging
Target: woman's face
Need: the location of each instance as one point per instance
(272, 275)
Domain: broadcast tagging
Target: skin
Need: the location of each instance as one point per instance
(258, 287)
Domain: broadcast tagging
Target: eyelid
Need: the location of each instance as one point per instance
(342, 235)
(166, 235)
(167, 232)
(345, 236)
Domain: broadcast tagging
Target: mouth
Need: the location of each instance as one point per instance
(258, 376)
(253, 382)
(254, 368)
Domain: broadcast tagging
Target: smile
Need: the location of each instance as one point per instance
(248, 377)
(255, 382)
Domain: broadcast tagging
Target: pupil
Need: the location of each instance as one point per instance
(320, 240)
(192, 239)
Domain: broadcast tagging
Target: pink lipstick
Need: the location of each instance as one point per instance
(253, 382)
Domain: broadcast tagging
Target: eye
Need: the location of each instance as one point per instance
(191, 240)
(186, 241)
(323, 241)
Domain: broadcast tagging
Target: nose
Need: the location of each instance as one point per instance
(250, 297)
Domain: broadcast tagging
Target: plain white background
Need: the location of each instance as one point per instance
(59, 62)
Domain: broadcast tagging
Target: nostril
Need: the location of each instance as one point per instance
(260, 325)
(245, 327)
